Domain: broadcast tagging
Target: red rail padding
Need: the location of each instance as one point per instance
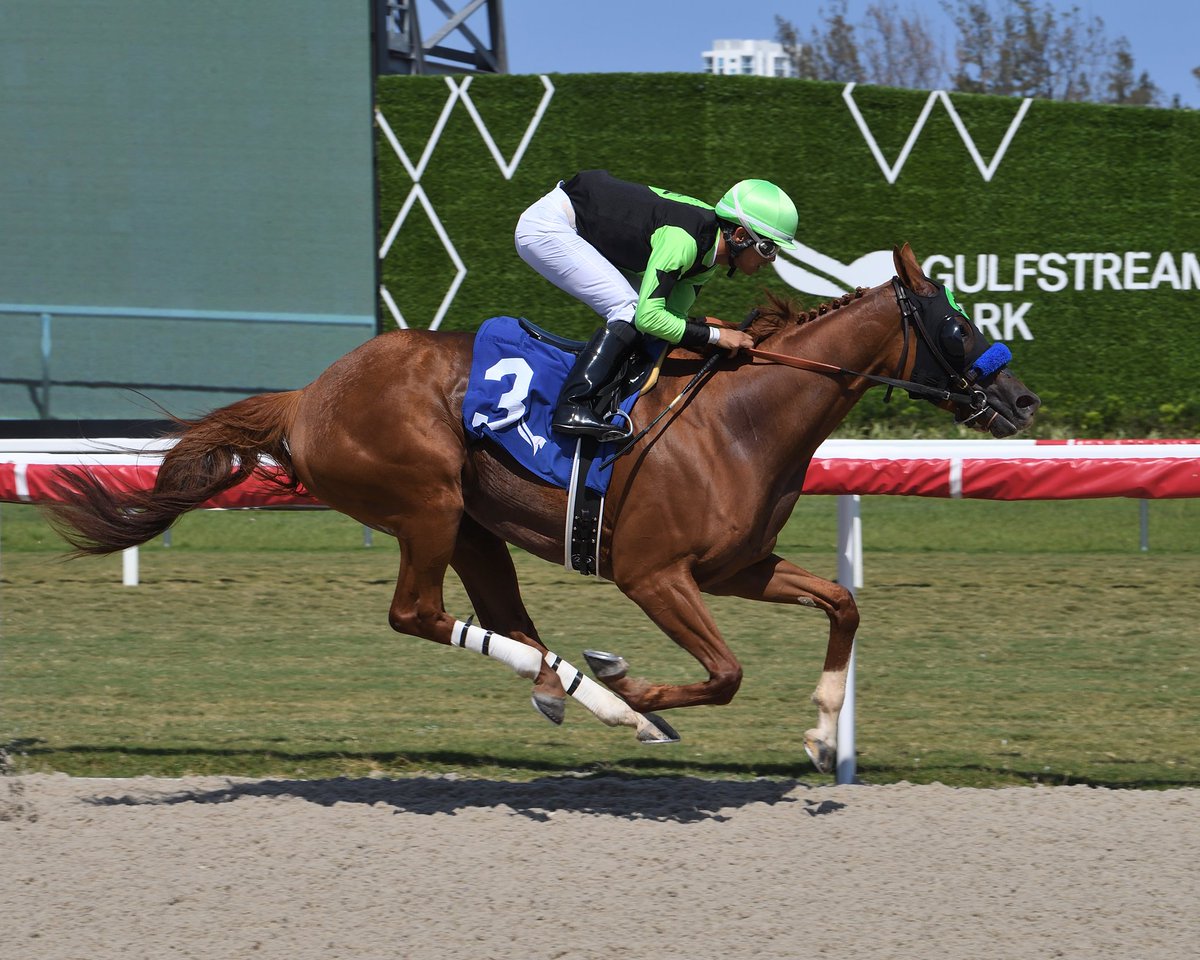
(255, 492)
(1017, 479)
(914, 478)
(1080, 479)
(983, 470)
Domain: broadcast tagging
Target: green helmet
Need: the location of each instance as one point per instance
(763, 209)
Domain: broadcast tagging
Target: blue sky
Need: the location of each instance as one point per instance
(580, 36)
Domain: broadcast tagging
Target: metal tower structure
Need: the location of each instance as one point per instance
(451, 47)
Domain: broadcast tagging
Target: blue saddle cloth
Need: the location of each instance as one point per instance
(515, 382)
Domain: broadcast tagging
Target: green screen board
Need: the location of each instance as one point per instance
(1070, 231)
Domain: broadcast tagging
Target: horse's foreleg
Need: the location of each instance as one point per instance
(776, 580)
(672, 600)
(485, 567)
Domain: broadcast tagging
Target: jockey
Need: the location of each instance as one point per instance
(638, 256)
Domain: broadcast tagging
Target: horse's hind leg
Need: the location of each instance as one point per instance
(427, 541)
(485, 567)
(483, 563)
(776, 580)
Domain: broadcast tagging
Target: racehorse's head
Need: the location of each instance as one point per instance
(954, 357)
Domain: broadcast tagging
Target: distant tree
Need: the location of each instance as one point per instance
(831, 54)
(1025, 67)
(1031, 51)
(901, 51)
(1012, 48)
(841, 50)
(1076, 54)
(1121, 86)
(801, 54)
(977, 49)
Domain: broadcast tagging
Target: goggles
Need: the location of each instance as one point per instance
(766, 248)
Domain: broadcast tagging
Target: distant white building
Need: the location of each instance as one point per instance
(748, 58)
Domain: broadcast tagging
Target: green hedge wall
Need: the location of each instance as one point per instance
(1075, 179)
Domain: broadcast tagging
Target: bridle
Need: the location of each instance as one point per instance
(945, 384)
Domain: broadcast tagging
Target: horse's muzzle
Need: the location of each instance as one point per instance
(1011, 406)
(1023, 409)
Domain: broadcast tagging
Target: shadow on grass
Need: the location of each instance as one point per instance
(666, 799)
(985, 777)
(334, 766)
(205, 761)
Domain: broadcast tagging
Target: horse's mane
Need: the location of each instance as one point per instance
(780, 312)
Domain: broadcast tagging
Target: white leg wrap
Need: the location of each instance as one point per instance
(524, 659)
(605, 704)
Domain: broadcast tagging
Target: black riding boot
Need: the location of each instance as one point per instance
(594, 367)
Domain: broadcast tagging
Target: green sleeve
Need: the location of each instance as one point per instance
(662, 300)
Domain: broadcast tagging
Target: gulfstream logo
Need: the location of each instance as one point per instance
(1052, 272)
(977, 278)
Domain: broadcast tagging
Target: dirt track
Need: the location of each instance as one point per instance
(612, 868)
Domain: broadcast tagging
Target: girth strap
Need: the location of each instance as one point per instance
(585, 510)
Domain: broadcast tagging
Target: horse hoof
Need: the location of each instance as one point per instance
(606, 666)
(820, 753)
(655, 729)
(552, 708)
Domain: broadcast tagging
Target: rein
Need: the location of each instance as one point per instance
(816, 366)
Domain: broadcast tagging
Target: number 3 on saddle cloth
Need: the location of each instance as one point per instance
(517, 371)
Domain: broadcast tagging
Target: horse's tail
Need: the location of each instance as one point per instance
(211, 455)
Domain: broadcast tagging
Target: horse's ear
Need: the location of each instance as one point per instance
(909, 271)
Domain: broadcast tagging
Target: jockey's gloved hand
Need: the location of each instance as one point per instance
(714, 332)
(733, 339)
(729, 337)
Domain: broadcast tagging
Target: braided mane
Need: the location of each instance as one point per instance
(780, 312)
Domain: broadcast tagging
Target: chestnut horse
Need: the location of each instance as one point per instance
(695, 506)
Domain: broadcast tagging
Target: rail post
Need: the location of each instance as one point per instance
(850, 576)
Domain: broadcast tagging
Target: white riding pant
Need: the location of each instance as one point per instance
(547, 240)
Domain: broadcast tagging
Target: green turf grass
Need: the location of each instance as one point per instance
(1001, 643)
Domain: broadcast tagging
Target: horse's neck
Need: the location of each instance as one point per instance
(862, 336)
